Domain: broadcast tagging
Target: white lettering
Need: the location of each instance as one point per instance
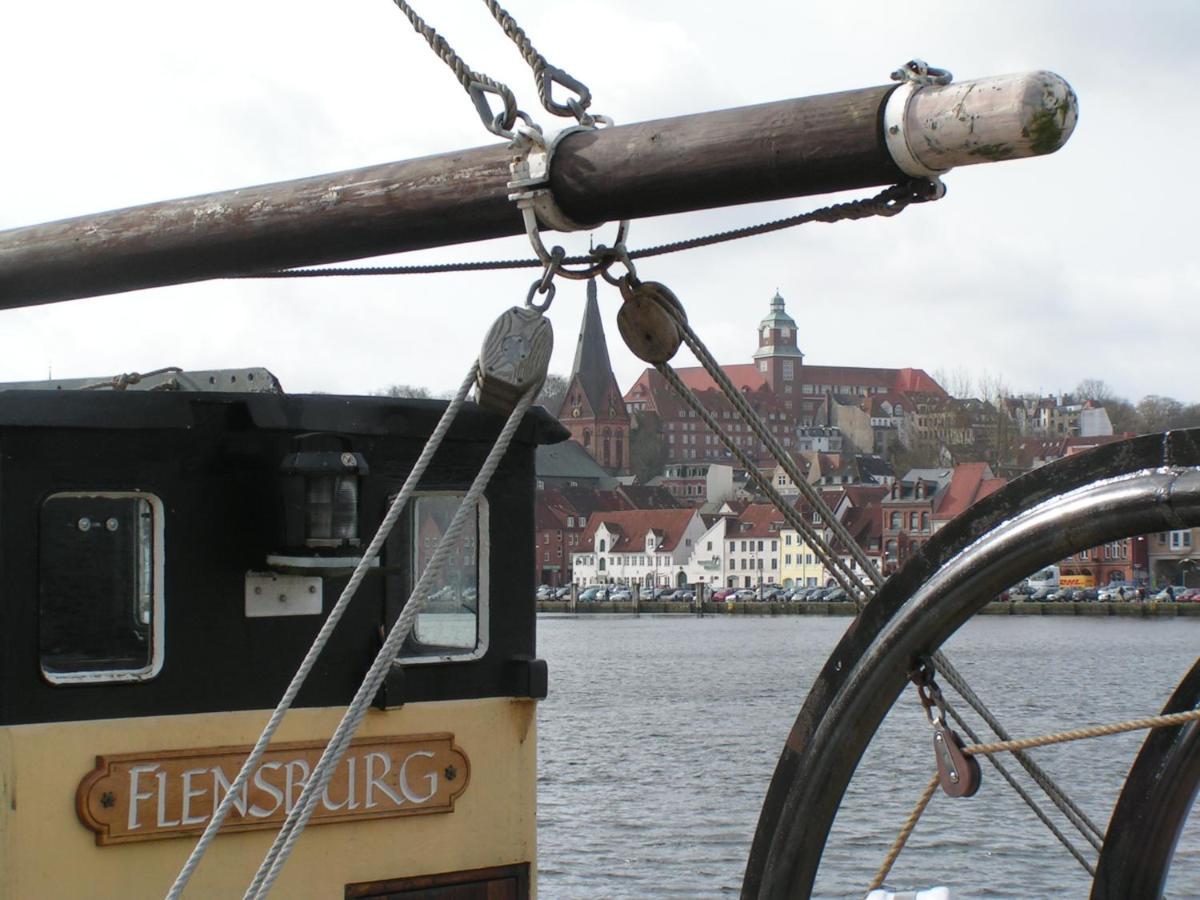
(351, 802)
(263, 785)
(162, 802)
(188, 793)
(221, 786)
(293, 783)
(431, 779)
(135, 795)
(377, 782)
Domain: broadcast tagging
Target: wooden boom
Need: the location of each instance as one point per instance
(790, 148)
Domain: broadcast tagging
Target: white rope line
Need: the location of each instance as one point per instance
(299, 815)
(322, 638)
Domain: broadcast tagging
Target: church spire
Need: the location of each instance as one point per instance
(592, 366)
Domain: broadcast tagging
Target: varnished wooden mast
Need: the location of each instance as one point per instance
(772, 151)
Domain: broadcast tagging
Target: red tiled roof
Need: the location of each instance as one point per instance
(634, 524)
(755, 522)
(743, 376)
(964, 489)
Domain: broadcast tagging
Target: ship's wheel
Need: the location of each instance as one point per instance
(1145, 485)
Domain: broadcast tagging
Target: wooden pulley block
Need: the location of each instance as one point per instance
(515, 356)
(958, 773)
(645, 324)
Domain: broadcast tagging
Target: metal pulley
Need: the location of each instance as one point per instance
(647, 320)
(514, 358)
(958, 773)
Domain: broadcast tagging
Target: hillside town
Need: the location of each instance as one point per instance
(645, 494)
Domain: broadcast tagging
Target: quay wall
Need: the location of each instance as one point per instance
(997, 608)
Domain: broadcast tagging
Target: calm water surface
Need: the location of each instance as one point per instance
(660, 735)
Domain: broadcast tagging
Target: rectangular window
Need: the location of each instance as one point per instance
(787, 559)
(100, 587)
(449, 625)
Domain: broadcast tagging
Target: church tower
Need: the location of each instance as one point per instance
(778, 358)
(592, 408)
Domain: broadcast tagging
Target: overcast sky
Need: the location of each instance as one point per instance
(1042, 271)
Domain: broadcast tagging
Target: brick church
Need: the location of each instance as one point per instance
(592, 408)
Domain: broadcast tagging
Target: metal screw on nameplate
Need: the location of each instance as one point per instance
(515, 355)
(84, 524)
(111, 524)
(645, 323)
(348, 459)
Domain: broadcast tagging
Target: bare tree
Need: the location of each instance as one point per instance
(957, 383)
(410, 391)
(1159, 413)
(552, 393)
(1095, 390)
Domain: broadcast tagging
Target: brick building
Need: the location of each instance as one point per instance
(592, 408)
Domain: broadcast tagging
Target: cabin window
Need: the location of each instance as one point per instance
(453, 622)
(100, 587)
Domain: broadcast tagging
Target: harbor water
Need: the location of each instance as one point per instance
(660, 734)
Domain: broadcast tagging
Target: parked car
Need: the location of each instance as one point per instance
(724, 594)
(621, 594)
(684, 595)
(836, 595)
(593, 594)
(545, 592)
(1191, 595)
(563, 593)
(1041, 594)
(746, 594)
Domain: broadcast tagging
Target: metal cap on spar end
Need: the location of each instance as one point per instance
(931, 129)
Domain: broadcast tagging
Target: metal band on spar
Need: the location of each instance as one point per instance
(790, 148)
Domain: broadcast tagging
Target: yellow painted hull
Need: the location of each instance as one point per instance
(46, 852)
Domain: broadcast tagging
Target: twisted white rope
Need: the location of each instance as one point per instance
(322, 638)
(299, 815)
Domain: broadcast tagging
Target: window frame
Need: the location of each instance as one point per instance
(158, 557)
(483, 595)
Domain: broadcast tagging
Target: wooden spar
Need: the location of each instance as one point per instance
(772, 151)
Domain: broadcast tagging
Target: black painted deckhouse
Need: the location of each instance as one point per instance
(168, 558)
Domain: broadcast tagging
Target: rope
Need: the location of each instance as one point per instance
(850, 581)
(905, 830)
(855, 588)
(789, 512)
(299, 815)
(885, 203)
(467, 77)
(1033, 804)
(1079, 734)
(322, 638)
(1058, 797)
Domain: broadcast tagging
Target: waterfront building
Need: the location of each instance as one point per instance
(752, 547)
(1125, 561)
(648, 547)
(1174, 557)
(923, 501)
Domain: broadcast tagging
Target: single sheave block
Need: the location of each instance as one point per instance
(514, 358)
